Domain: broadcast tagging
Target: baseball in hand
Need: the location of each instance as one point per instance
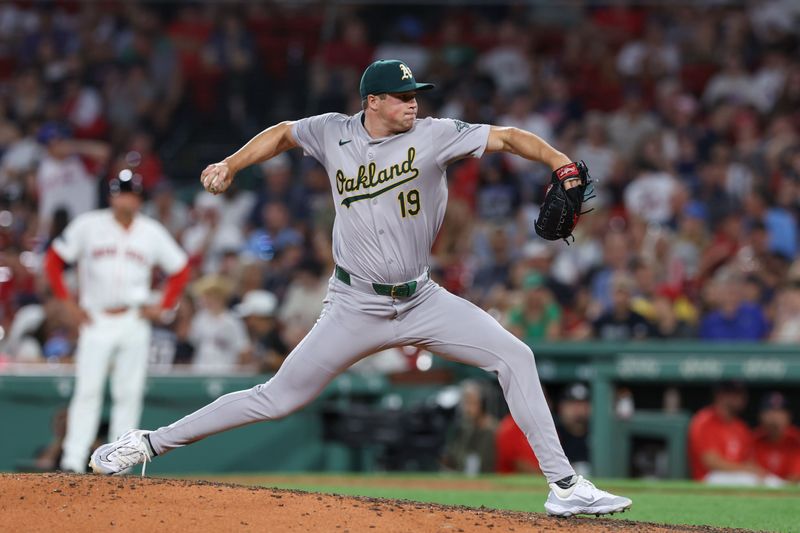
(213, 178)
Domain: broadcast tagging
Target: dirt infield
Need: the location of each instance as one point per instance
(78, 503)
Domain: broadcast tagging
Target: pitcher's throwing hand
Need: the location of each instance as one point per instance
(216, 178)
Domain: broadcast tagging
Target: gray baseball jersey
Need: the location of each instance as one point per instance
(390, 199)
(390, 193)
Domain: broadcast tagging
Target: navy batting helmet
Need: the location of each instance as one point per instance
(126, 181)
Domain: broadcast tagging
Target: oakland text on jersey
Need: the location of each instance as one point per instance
(368, 177)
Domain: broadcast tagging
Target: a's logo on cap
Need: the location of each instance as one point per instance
(406, 72)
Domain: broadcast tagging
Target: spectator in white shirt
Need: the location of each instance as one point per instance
(733, 84)
(21, 157)
(649, 196)
(63, 179)
(219, 336)
(266, 351)
(210, 237)
(507, 63)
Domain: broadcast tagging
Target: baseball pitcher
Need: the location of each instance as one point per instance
(116, 250)
(387, 173)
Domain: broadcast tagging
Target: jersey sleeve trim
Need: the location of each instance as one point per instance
(54, 269)
(174, 287)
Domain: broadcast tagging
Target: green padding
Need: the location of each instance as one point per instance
(293, 444)
(671, 428)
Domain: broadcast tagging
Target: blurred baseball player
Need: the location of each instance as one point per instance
(116, 250)
(387, 172)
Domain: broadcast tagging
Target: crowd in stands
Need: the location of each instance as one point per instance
(687, 114)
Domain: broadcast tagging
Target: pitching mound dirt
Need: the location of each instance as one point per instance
(78, 503)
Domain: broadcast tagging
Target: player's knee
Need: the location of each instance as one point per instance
(273, 405)
(516, 348)
(527, 353)
(518, 356)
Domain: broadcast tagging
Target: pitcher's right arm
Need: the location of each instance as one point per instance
(272, 141)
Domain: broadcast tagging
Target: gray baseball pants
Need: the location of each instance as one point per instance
(355, 324)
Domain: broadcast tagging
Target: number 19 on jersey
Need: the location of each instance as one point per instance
(409, 202)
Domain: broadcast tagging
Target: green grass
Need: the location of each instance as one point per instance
(654, 501)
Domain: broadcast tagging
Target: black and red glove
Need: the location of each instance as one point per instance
(561, 208)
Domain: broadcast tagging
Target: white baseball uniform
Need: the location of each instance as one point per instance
(390, 195)
(64, 183)
(114, 272)
(218, 340)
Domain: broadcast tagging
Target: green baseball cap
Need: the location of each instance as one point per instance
(389, 76)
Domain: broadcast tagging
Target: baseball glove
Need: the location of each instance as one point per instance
(569, 188)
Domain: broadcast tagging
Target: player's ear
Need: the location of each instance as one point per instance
(372, 101)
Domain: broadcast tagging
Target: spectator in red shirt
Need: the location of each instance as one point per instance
(720, 444)
(514, 453)
(777, 441)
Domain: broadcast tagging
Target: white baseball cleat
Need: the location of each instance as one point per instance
(120, 456)
(583, 498)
